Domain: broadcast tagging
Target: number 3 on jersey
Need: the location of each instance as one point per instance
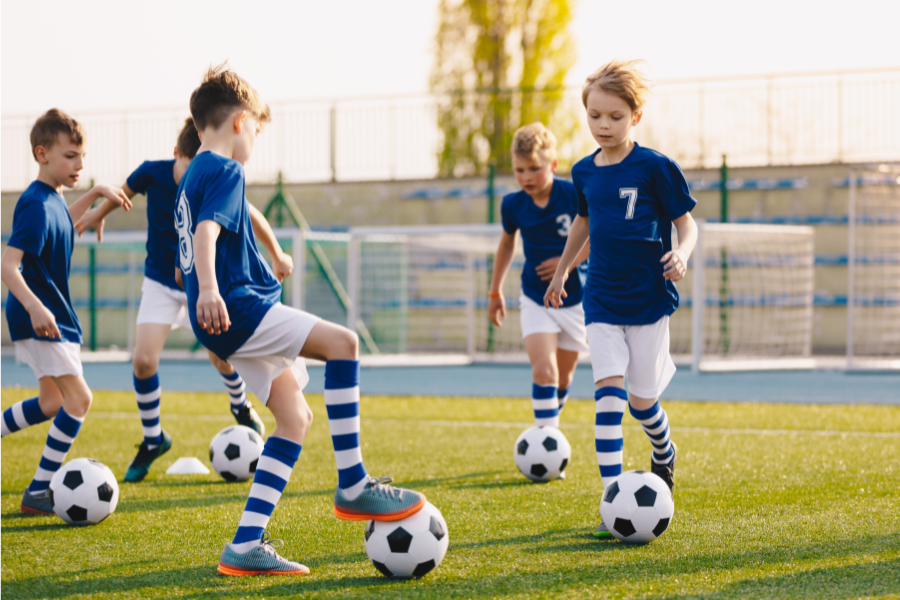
(565, 224)
(631, 194)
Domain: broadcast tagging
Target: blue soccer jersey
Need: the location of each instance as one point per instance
(631, 206)
(212, 189)
(156, 179)
(42, 228)
(544, 234)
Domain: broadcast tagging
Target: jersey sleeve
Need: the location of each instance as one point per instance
(140, 179)
(672, 189)
(223, 197)
(581, 200)
(506, 215)
(29, 228)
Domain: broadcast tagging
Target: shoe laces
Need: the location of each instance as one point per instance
(381, 486)
(270, 545)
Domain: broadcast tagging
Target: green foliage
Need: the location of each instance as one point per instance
(499, 64)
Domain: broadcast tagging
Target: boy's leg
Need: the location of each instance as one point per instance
(251, 552)
(243, 411)
(566, 362)
(65, 427)
(358, 497)
(541, 348)
(34, 410)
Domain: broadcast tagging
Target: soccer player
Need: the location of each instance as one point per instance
(629, 197)
(42, 321)
(543, 212)
(163, 302)
(233, 298)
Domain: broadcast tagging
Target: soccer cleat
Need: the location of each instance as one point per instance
(666, 472)
(561, 475)
(602, 531)
(246, 415)
(140, 465)
(36, 504)
(262, 560)
(378, 501)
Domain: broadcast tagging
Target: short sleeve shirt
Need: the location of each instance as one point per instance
(156, 179)
(213, 189)
(544, 234)
(43, 230)
(631, 206)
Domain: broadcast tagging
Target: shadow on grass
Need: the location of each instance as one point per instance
(130, 505)
(35, 527)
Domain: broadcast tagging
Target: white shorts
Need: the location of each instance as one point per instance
(638, 352)
(161, 304)
(274, 347)
(567, 322)
(50, 359)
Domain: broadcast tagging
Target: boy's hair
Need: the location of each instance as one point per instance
(534, 141)
(49, 125)
(188, 140)
(222, 92)
(620, 78)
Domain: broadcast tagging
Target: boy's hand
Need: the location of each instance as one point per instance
(91, 220)
(212, 315)
(115, 195)
(178, 278)
(43, 322)
(546, 269)
(497, 310)
(283, 266)
(556, 291)
(675, 264)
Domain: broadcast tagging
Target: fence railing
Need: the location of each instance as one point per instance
(765, 120)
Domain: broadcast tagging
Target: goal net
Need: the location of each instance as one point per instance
(873, 298)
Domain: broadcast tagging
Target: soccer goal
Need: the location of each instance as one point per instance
(873, 261)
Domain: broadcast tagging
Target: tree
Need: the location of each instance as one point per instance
(499, 64)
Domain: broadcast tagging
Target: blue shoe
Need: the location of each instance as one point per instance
(37, 504)
(666, 472)
(140, 465)
(262, 560)
(379, 501)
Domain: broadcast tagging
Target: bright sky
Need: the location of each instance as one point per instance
(101, 54)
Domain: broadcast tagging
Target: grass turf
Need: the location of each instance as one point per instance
(772, 501)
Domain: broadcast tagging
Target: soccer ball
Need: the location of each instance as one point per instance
(234, 452)
(542, 453)
(410, 547)
(84, 492)
(638, 507)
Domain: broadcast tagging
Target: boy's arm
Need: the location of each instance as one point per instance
(502, 261)
(282, 264)
(212, 315)
(546, 269)
(95, 218)
(578, 237)
(42, 320)
(676, 260)
(113, 194)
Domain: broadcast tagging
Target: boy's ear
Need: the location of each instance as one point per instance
(40, 155)
(175, 153)
(554, 165)
(239, 121)
(637, 118)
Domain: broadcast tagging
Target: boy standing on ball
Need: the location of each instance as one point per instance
(233, 298)
(629, 197)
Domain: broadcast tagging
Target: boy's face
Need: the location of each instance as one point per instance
(63, 161)
(535, 175)
(609, 118)
(246, 128)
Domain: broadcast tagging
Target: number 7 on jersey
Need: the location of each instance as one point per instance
(631, 194)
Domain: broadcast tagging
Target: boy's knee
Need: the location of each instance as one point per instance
(545, 374)
(78, 403)
(345, 345)
(144, 366)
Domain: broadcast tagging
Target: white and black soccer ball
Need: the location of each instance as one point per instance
(410, 547)
(542, 453)
(84, 492)
(234, 452)
(638, 507)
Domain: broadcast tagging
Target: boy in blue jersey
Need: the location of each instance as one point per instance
(543, 212)
(42, 321)
(163, 302)
(233, 298)
(629, 197)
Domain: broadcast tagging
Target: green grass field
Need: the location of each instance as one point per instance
(772, 501)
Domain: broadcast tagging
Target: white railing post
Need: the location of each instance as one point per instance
(470, 304)
(132, 268)
(698, 300)
(353, 281)
(299, 256)
(851, 265)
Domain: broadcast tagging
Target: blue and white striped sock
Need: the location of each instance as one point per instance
(147, 393)
(236, 388)
(21, 415)
(656, 426)
(562, 396)
(62, 433)
(611, 403)
(342, 402)
(545, 405)
(272, 473)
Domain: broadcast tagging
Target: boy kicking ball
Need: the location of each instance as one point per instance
(42, 321)
(628, 199)
(233, 298)
(543, 212)
(163, 301)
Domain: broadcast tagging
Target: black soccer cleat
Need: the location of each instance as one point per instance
(666, 472)
(140, 466)
(246, 415)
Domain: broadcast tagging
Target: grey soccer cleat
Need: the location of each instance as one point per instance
(247, 416)
(379, 501)
(262, 560)
(37, 504)
(666, 472)
(602, 531)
